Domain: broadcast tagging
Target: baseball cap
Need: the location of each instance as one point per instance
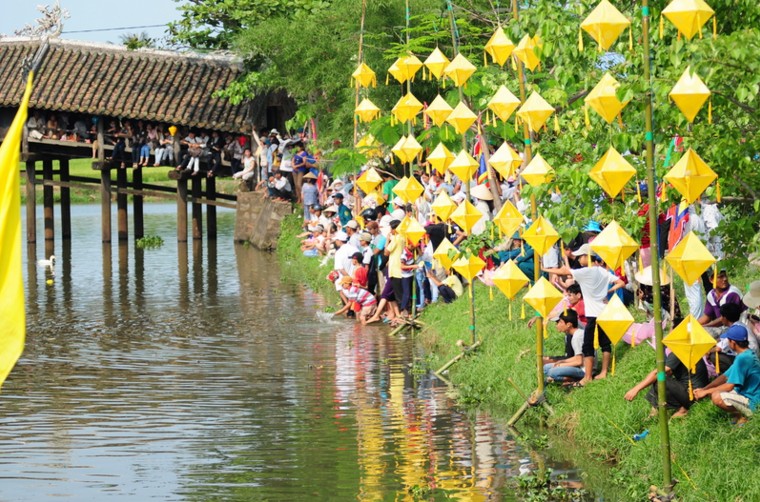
(737, 333)
(357, 256)
(584, 249)
(365, 237)
(340, 236)
(352, 224)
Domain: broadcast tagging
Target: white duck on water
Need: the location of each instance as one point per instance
(49, 264)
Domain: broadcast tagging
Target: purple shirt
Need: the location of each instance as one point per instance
(712, 305)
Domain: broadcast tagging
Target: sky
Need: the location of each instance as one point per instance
(107, 15)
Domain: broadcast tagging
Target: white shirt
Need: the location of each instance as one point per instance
(594, 282)
(343, 258)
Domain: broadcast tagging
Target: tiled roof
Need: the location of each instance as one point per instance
(99, 79)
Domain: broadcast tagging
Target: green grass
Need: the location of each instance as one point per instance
(592, 426)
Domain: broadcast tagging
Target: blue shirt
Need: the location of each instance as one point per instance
(310, 194)
(745, 375)
(344, 213)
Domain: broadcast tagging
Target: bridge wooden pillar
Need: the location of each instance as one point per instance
(197, 208)
(47, 200)
(105, 190)
(182, 211)
(137, 204)
(65, 199)
(121, 205)
(211, 208)
(31, 203)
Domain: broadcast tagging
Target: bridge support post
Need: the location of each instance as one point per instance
(65, 200)
(47, 200)
(31, 203)
(182, 210)
(121, 205)
(197, 208)
(210, 208)
(137, 204)
(105, 203)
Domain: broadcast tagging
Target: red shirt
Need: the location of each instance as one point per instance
(360, 276)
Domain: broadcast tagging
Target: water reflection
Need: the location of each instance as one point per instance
(200, 375)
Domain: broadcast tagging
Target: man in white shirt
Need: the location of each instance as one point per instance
(570, 366)
(594, 280)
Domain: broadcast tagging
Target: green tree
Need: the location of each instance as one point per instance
(134, 41)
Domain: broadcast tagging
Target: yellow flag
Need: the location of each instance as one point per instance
(13, 325)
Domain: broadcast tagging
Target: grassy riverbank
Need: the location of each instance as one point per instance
(592, 426)
(91, 193)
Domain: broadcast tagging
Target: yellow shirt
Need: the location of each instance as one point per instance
(395, 247)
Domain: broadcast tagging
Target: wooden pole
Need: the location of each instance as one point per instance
(210, 208)
(105, 188)
(31, 203)
(65, 200)
(121, 205)
(47, 200)
(137, 204)
(182, 211)
(667, 480)
(197, 208)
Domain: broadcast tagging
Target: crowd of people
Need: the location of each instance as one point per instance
(380, 276)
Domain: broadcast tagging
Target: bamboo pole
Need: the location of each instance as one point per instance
(656, 292)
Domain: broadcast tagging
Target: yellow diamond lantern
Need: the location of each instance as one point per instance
(690, 258)
(466, 215)
(505, 160)
(510, 279)
(499, 46)
(367, 111)
(614, 245)
(526, 51)
(541, 236)
(406, 149)
(409, 189)
(396, 71)
(603, 98)
(689, 94)
(463, 166)
(413, 231)
(469, 267)
(688, 16)
(407, 108)
(538, 171)
(691, 176)
(368, 145)
(436, 62)
(612, 172)
(438, 111)
(543, 297)
(615, 319)
(440, 158)
(459, 70)
(364, 76)
(535, 111)
(443, 255)
(443, 206)
(369, 180)
(503, 103)
(409, 66)
(605, 24)
(375, 196)
(461, 118)
(689, 341)
(508, 219)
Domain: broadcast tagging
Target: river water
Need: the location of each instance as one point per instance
(193, 372)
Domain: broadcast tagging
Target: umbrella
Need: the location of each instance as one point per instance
(688, 16)
(461, 118)
(605, 24)
(691, 176)
(689, 94)
(612, 172)
(543, 297)
(603, 98)
(499, 46)
(614, 245)
(535, 111)
(364, 76)
(436, 62)
(459, 70)
(526, 51)
(690, 258)
(503, 103)
(538, 171)
(438, 110)
(505, 160)
(466, 216)
(440, 158)
(541, 235)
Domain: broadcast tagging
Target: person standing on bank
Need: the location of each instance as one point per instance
(595, 281)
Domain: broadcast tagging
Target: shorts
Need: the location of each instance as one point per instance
(738, 401)
(368, 311)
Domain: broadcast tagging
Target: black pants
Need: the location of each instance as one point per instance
(676, 395)
(588, 338)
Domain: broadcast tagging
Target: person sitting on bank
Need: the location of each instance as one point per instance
(722, 293)
(449, 289)
(730, 314)
(573, 300)
(567, 368)
(281, 191)
(677, 396)
(736, 391)
(522, 254)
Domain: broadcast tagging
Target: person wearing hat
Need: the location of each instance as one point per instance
(568, 368)
(399, 211)
(342, 264)
(352, 229)
(722, 293)
(522, 254)
(595, 281)
(646, 294)
(751, 316)
(309, 194)
(344, 213)
(677, 379)
(314, 244)
(736, 391)
(483, 198)
(360, 300)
